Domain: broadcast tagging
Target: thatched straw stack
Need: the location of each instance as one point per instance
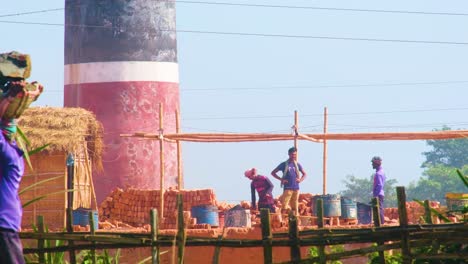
(66, 129)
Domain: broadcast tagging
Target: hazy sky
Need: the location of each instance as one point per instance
(375, 71)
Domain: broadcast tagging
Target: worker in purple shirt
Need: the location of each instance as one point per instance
(264, 188)
(378, 186)
(11, 171)
(293, 174)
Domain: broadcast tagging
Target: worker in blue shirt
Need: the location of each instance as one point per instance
(11, 172)
(378, 185)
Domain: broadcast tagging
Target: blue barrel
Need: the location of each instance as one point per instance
(364, 213)
(331, 205)
(81, 217)
(206, 214)
(348, 208)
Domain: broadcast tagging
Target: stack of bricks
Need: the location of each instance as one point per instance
(414, 210)
(133, 206)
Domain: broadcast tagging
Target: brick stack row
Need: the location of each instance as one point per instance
(132, 206)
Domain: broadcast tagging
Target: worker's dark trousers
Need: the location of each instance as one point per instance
(381, 208)
(11, 250)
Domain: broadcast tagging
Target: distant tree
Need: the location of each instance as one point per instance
(436, 182)
(360, 190)
(449, 152)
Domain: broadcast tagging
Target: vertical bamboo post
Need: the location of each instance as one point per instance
(181, 235)
(267, 236)
(376, 212)
(377, 223)
(90, 173)
(41, 241)
(93, 232)
(154, 236)
(325, 128)
(180, 184)
(296, 127)
(70, 187)
(293, 235)
(161, 163)
(427, 212)
(217, 250)
(403, 217)
(319, 209)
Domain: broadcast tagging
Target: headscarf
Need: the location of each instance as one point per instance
(8, 127)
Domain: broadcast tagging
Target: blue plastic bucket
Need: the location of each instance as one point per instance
(364, 213)
(206, 214)
(331, 205)
(348, 208)
(81, 217)
(237, 217)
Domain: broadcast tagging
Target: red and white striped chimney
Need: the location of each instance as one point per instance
(120, 63)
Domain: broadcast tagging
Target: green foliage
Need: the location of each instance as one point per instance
(395, 258)
(436, 182)
(314, 252)
(85, 257)
(449, 152)
(50, 258)
(441, 249)
(360, 190)
(463, 178)
(434, 211)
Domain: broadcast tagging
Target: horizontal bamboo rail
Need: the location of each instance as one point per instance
(246, 137)
(388, 238)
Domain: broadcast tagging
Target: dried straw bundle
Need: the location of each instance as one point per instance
(66, 129)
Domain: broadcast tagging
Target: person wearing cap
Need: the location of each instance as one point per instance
(378, 186)
(264, 188)
(11, 172)
(293, 174)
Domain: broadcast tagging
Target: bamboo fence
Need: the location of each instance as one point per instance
(405, 237)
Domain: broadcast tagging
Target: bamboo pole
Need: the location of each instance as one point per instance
(154, 236)
(403, 216)
(181, 233)
(92, 232)
(325, 128)
(267, 237)
(70, 186)
(376, 212)
(295, 251)
(161, 164)
(88, 168)
(296, 127)
(180, 184)
(427, 212)
(377, 223)
(321, 249)
(41, 242)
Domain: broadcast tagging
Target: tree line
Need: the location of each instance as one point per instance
(438, 178)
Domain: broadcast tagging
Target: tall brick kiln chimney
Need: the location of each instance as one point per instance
(120, 63)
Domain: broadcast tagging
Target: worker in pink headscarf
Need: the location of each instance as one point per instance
(264, 188)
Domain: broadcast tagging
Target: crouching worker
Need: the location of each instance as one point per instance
(264, 188)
